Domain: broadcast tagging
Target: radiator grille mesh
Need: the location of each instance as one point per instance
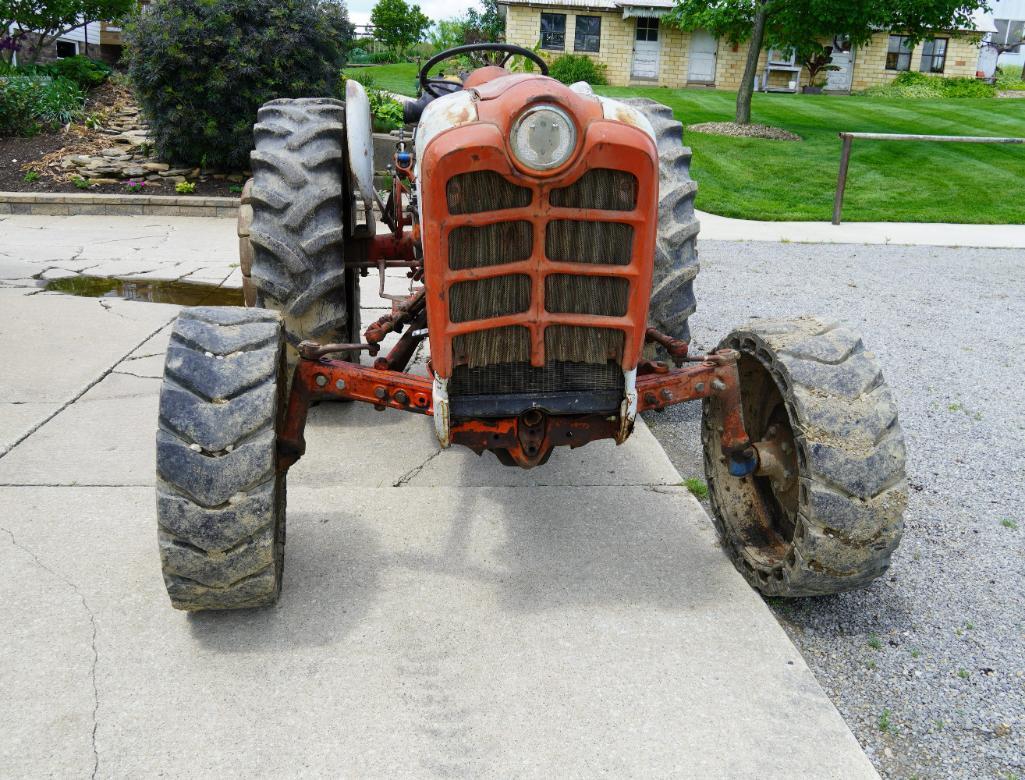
(583, 345)
(606, 295)
(483, 298)
(496, 361)
(479, 247)
(510, 344)
(472, 193)
(602, 243)
(508, 378)
(600, 188)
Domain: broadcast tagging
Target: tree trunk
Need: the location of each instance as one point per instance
(747, 84)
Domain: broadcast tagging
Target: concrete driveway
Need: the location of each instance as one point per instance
(441, 615)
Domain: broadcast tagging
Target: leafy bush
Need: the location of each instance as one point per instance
(202, 68)
(85, 72)
(385, 110)
(384, 57)
(31, 103)
(571, 68)
(1011, 77)
(920, 86)
(967, 88)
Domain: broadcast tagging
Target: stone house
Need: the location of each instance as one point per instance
(637, 49)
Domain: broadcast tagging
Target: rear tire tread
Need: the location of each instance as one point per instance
(676, 257)
(299, 217)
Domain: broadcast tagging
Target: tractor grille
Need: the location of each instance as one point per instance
(485, 298)
(479, 247)
(510, 344)
(583, 345)
(497, 360)
(601, 188)
(472, 193)
(602, 243)
(566, 294)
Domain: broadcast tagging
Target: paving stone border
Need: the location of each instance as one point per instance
(69, 204)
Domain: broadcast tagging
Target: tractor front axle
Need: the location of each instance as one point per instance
(526, 439)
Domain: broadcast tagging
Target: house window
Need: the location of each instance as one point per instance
(1009, 31)
(647, 28)
(553, 31)
(587, 36)
(66, 49)
(934, 55)
(898, 53)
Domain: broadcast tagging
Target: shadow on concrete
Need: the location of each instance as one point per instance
(331, 578)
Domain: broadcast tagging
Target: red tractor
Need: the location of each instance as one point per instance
(549, 236)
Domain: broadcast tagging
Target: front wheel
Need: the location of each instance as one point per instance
(824, 512)
(220, 496)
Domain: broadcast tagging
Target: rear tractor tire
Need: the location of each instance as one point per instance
(828, 516)
(676, 255)
(301, 216)
(220, 498)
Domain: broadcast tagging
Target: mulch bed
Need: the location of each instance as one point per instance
(744, 131)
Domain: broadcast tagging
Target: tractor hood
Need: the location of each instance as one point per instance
(464, 106)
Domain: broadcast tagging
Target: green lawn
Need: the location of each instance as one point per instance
(400, 77)
(888, 181)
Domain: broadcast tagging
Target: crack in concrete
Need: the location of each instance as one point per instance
(95, 651)
(5, 450)
(404, 479)
(137, 376)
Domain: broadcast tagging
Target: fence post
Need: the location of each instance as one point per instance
(841, 181)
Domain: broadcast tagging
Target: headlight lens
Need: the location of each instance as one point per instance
(543, 137)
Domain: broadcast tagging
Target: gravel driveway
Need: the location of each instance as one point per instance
(928, 665)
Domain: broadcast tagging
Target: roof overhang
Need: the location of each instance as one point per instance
(656, 9)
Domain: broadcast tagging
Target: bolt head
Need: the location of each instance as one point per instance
(401, 397)
(700, 387)
(340, 384)
(321, 380)
(667, 394)
(380, 392)
(718, 384)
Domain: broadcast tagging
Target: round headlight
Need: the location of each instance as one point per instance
(543, 137)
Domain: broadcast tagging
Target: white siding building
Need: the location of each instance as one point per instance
(1009, 20)
(74, 42)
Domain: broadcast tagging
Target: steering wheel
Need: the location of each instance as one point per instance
(429, 85)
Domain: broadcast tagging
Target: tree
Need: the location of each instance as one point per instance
(398, 25)
(803, 24)
(51, 19)
(447, 33)
(486, 26)
(202, 68)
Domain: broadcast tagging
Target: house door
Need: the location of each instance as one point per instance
(842, 59)
(646, 48)
(701, 63)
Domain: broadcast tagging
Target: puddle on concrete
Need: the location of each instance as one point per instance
(150, 291)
